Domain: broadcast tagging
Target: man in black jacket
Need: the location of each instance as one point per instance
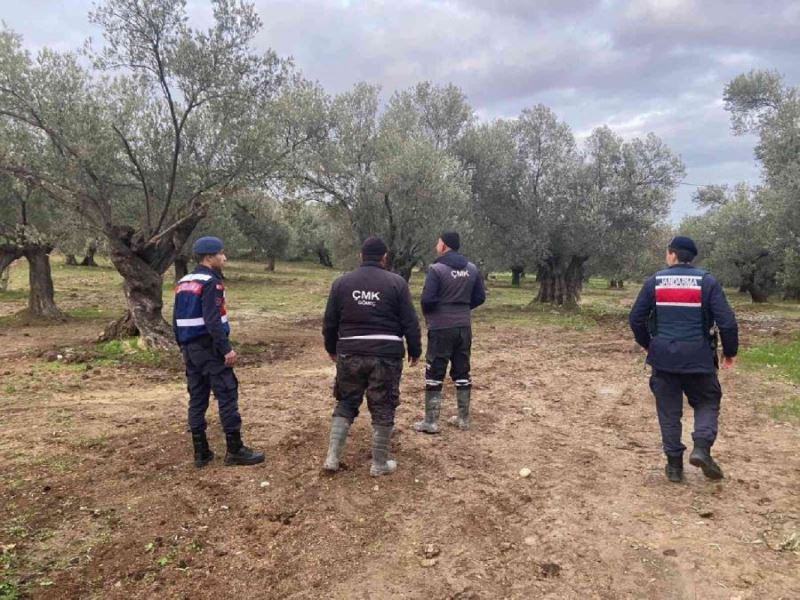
(369, 312)
(672, 319)
(453, 287)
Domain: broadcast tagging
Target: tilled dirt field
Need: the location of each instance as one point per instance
(100, 500)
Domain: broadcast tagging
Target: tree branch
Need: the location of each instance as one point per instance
(145, 188)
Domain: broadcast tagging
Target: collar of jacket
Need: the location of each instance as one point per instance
(372, 263)
(209, 271)
(452, 259)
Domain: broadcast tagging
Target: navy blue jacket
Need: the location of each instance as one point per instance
(369, 311)
(672, 318)
(453, 287)
(199, 312)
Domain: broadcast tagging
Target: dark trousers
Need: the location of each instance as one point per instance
(453, 346)
(206, 371)
(379, 377)
(704, 394)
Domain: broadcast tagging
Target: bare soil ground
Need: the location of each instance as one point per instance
(100, 499)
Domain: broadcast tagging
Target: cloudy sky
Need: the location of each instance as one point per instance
(636, 65)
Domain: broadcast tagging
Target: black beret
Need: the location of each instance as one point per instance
(681, 242)
(451, 239)
(373, 246)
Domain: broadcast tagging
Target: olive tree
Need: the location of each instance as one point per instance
(761, 102)
(170, 120)
(391, 173)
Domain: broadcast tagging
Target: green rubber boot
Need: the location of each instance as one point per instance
(340, 427)
(433, 404)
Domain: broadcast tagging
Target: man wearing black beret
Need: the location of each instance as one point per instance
(674, 319)
(369, 312)
(453, 287)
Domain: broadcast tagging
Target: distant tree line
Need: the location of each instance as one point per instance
(167, 132)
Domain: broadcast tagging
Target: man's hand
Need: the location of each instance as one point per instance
(413, 361)
(728, 362)
(230, 358)
(332, 357)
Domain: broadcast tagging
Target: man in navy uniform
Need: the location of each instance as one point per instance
(200, 321)
(369, 312)
(673, 319)
(453, 287)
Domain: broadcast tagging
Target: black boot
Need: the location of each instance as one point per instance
(701, 457)
(238, 453)
(674, 468)
(202, 453)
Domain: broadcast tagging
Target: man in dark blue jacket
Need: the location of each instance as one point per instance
(453, 287)
(200, 322)
(368, 314)
(673, 319)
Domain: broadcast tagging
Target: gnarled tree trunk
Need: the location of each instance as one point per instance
(91, 250)
(271, 264)
(517, 273)
(757, 293)
(791, 293)
(616, 284)
(560, 281)
(142, 264)
(142, 286)
(754, 279)
(8, 254)
(401, 264)
(324, 257)
(181, 267)
(70, 260)
(41, 299)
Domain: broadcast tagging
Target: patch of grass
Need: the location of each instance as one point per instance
(17, 531)
(90, 313)
(58, 366)
(115, 352)
(9, 589)
(777, 309)
(12, 295)
(535, 315)
(788, 410)
(56, 464)
(18, 319)
(791, 543)
(780, 358)
(111, 350)
(167, 559)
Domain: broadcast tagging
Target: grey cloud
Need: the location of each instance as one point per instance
(770, 25)
(529, 11)
(639, 65)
